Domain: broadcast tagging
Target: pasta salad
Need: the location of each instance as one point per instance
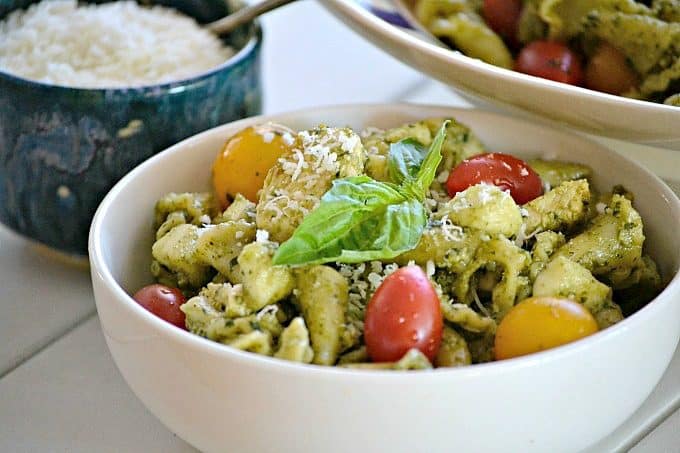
(407, 248)
(624, 47)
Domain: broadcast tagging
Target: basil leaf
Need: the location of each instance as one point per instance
(404, 159)
(358, 219)
(428, 168)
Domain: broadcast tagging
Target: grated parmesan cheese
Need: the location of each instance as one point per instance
(261, 236)
(319, 147)
(348, 143)
(112, 45)
(297, 167)
(451, 231)
(430, 204)
(429, 268)
(374, 279)
(522, 235)
(268, 310)
(269, 131)
(363, 281)
(479, 304)
(288, 138)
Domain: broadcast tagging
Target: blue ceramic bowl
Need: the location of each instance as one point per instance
(62, 149)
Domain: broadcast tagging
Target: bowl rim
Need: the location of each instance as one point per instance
(353, 10)
(255, 37)
(100, 270)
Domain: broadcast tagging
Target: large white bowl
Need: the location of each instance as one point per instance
(535, 98)
(221, 399)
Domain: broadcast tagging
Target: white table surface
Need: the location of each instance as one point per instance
(59, 388)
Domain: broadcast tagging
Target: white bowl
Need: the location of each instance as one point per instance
(535, 98)
(222, 399)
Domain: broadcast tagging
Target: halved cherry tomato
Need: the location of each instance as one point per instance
(503, 17)
(609, 72)
(403, 313)
(245, 160)
(502, 170)
(540, 323)
(164, 302)
(550, 60)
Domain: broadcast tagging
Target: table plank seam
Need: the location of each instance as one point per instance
(47, 343)
(657, 421)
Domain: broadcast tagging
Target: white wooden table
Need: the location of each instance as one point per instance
(59, 388)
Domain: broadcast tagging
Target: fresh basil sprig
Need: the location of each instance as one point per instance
(361, 219)
(404, 159)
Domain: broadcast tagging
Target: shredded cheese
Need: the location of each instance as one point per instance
(261, 236)
(429, 268)
(288, 138)
(269, 309)
(319, 152)
(479, 304)
(451, 231)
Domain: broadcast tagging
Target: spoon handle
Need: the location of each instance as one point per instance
(244, 15)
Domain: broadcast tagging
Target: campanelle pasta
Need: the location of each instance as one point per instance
(646, 35)
(341, 213)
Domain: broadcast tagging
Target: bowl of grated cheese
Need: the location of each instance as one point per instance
(88, 91)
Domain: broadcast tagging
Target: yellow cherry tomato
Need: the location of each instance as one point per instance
(246, 158)
(540, 323)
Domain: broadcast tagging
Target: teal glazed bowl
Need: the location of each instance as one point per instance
(62, 149)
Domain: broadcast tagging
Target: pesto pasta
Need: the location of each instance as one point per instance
(346, 225)
(626, 47)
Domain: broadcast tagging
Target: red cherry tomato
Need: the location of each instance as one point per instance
(501, 170)
(608, 71)
(550, 60)
(403, 313)
(503, 16)
(164, 302)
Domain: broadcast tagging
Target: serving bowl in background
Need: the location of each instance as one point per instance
(532, 97)
(62, 149)
(218, 398)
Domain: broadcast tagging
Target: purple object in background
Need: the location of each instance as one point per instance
(385, 11)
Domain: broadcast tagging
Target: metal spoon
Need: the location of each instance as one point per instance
(244, 15)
